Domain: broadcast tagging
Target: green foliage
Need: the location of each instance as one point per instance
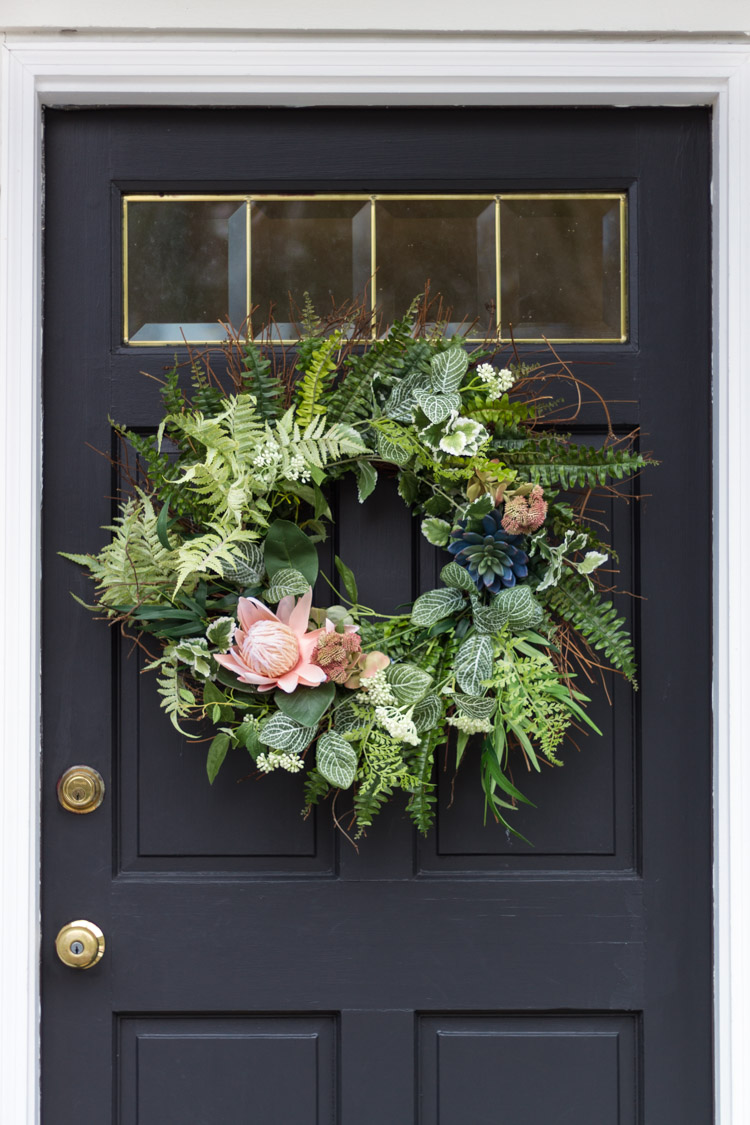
(596, 620)
(551, 461)
(473, 663)
(134, 567)
(235, 499)
(177, 700)
(316, 380)
(437, 604)
(286, 548)
(259, 381)
(306, 705)
(336, 760)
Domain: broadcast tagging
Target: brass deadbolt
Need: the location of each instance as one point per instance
(80, 789)
(80, 944)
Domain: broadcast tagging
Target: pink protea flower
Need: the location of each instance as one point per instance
(524, 514)
(274, 649)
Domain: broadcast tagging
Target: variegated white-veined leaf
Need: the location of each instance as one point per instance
(390, 451)
(448, 369)
(475, 706)
(336, 760)
(246, 567)
(284, 582)
(435, 605)
(489, 619)
(473, 663)
(347, 719)
(436, 531)
(522, 609)
(427, 713)
(282, 733)
(437, 407)
(408, 683)
(220, 632)
(457, 576)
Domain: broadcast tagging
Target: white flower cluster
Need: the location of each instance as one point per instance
(278, 760)
(298, 470)
(377, 690)
(267, 454)
(398, 724)
(498, 382)
(469, 725)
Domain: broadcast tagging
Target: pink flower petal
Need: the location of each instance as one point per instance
(250, 610)
(308, 642)
(311, 675)
(300, 615)
(289, 681)
(284, 608)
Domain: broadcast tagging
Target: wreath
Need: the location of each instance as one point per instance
(213, 557)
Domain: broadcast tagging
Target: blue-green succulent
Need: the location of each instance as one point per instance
(494, 559)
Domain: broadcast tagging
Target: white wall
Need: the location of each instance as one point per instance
(708, 17)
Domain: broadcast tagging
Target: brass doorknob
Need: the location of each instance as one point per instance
(80, 944)
(80, 789)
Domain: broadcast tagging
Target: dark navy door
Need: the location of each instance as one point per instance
(257, 969)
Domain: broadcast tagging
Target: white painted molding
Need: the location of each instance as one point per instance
(299, 69)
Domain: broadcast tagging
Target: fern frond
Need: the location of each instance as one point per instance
(206, 554)
(549, 462)
(176, 697)
(596, 620)
(259, 381)
(319, 371)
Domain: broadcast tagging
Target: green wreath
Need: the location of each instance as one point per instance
(235, 496)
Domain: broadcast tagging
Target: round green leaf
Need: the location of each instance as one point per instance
(306, 705)
(286, 547)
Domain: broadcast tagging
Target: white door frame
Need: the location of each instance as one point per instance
(303, 69)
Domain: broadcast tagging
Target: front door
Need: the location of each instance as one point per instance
(257, 968)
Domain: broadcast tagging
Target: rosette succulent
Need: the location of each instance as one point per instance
(494, 558)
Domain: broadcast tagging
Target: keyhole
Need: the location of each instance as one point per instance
(78, 795)
(76, 947)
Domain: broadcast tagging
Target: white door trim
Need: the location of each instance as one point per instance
(295, 69)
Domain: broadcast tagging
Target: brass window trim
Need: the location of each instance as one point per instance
(373, 197)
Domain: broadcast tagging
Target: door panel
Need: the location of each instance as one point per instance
(257, 966)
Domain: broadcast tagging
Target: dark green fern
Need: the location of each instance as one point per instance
(595, 619)
(550, 462)
(259, 381)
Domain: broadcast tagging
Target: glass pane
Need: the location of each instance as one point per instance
(449, 243)
(321, 246)
(186, 269)
(560, 266)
